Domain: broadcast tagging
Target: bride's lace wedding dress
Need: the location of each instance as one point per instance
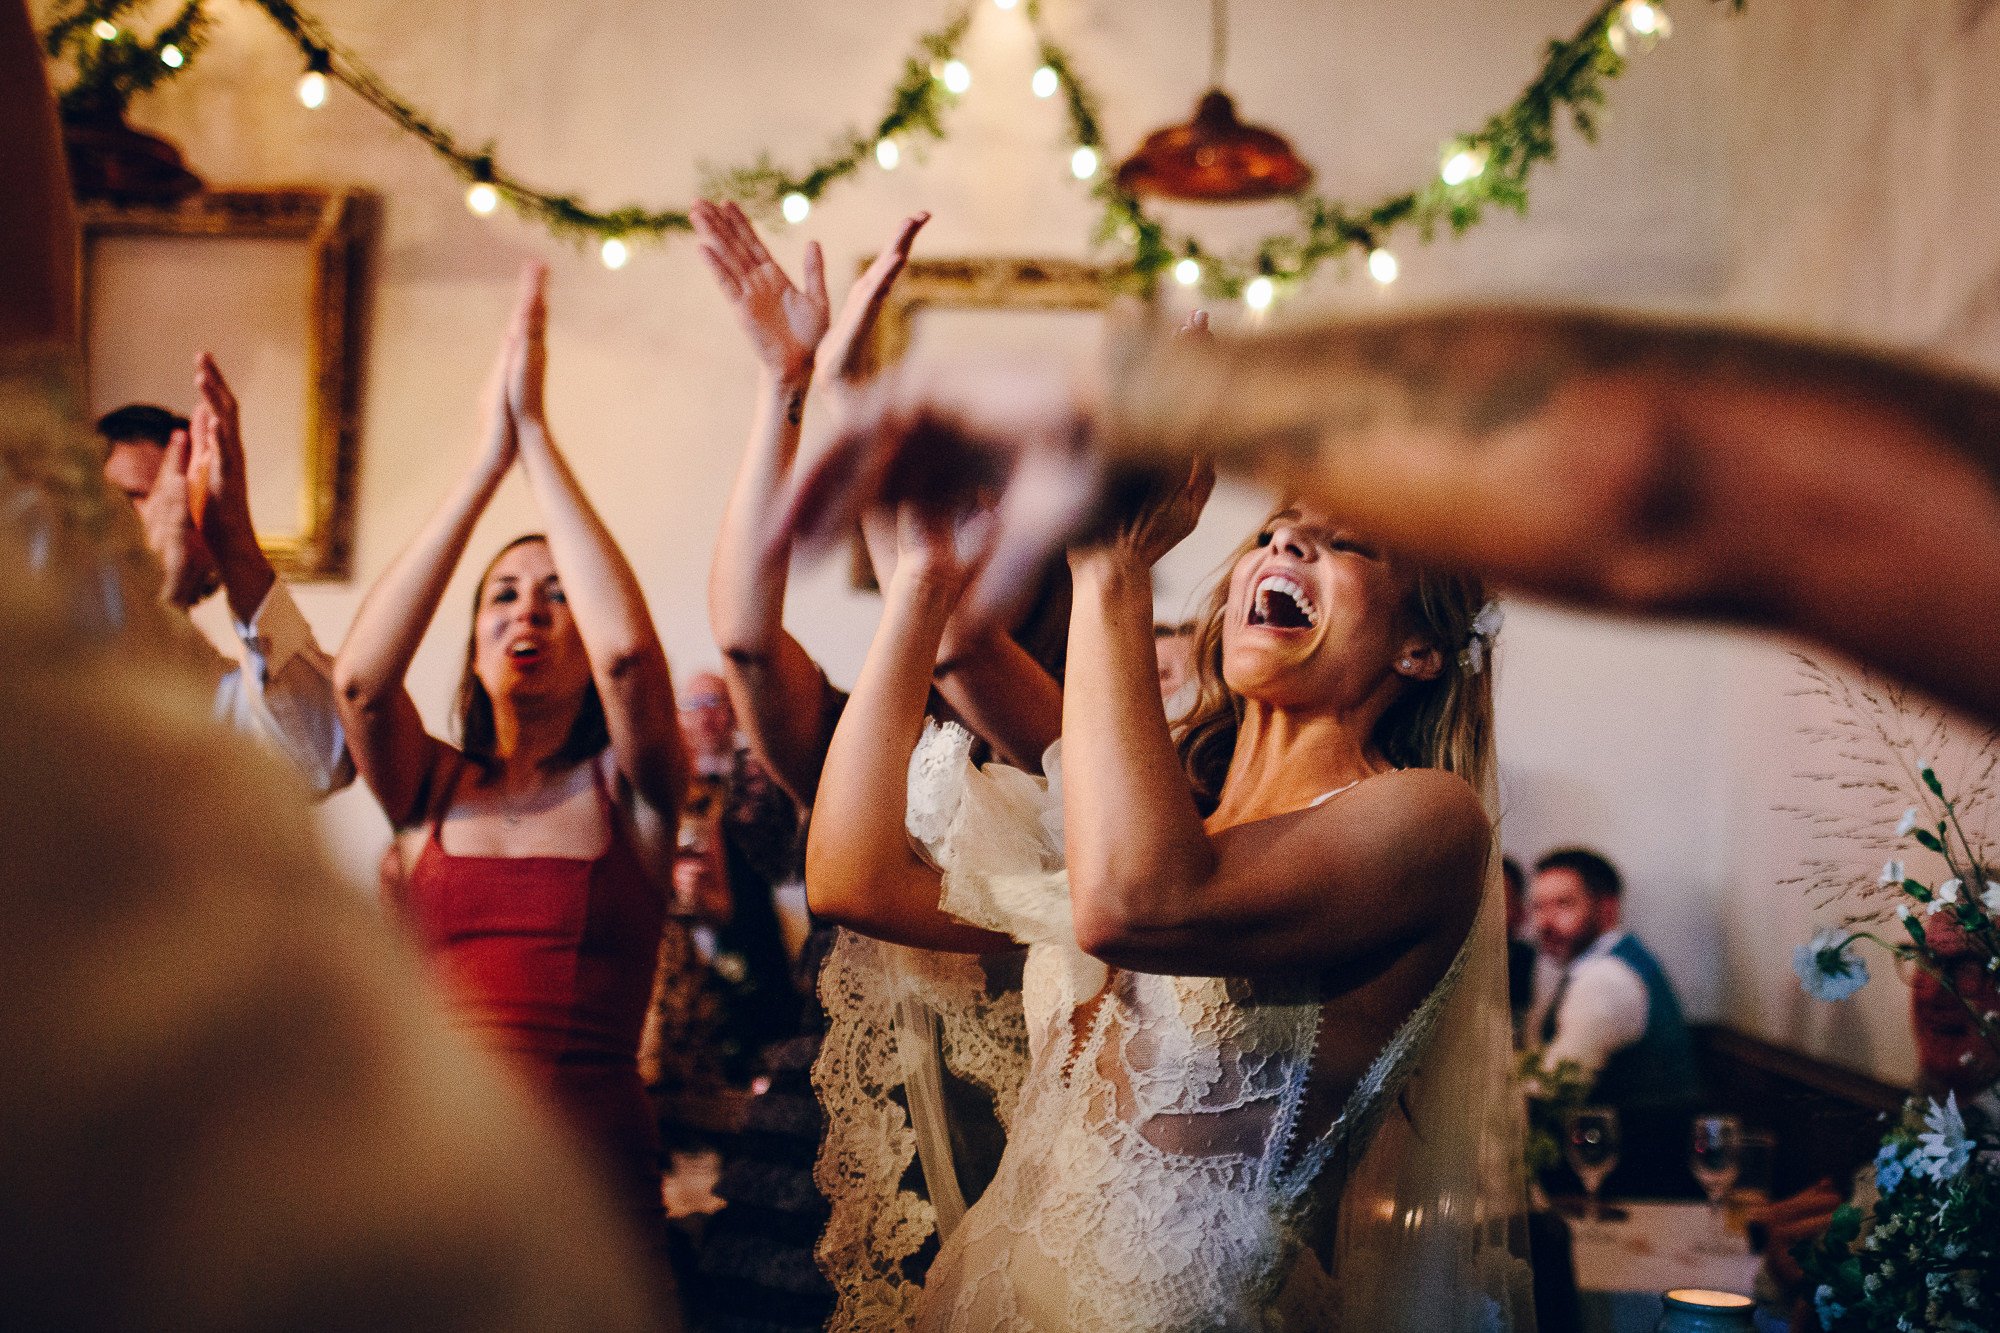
(1163, 1170)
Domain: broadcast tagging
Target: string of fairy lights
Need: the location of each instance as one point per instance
(1489, 166)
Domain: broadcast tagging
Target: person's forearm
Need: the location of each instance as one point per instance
(246, 571)
(1133, 838)
(774, 684)
(1003, 694)
(603, 593)
(398, 609)
(746, 580)
(857, 836)
(1626, 463)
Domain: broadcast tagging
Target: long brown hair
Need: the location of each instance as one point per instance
(588, 734)
(1442, 723)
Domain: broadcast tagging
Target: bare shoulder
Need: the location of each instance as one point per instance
(1425, 827)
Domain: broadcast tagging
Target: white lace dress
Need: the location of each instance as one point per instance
(1157, 1174)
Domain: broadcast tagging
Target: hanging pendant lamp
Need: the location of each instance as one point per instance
(1215, 158)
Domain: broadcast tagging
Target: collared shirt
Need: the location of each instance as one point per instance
(1600, 1003)
(280, 689)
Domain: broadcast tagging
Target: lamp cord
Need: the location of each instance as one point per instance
(1218, 40)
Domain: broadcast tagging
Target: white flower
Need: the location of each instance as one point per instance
(1907, 822)
(1826, 971)
(1892, 873)
(1944, 1149)
(1947, 892)
(1826, 1307)
(1990, 899)
(1485, 627)
(1933, 907)
(1902, 911)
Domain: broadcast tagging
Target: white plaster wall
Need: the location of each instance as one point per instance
(1611, 734)
(1862, 206)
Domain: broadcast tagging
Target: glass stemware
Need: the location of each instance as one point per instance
(1715, 1155)
(1590, 1141)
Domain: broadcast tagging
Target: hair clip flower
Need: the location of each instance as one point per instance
(1485, 627)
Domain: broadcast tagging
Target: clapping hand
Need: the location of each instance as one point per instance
(218, 485)
(165, 516)
(785, 323)
(847, 365)
(527, 344)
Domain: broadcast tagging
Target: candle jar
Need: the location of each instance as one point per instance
(1697, 1310)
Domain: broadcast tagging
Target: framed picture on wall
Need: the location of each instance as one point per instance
(271, 283)
(997, 308)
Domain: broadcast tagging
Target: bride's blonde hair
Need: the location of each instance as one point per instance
(1442, 723)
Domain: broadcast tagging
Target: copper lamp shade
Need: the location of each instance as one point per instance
(1215, 159)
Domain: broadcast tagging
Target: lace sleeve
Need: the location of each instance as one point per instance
(897, 1020)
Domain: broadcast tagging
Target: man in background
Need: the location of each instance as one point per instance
(1521, 952)
(188, 482)
(1612, 1011)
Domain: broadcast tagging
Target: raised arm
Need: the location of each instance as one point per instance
(777, 689)
(394, 754)
(994, 685)
(780, 694)
(626, 659)
(860, 869)
(1152, 889)
(1605, 460)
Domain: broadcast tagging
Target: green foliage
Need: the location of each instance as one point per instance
(1569, 86)
(109, 72)
(1552, 1095)
(1927, 1254)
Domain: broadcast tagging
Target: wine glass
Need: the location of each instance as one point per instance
(1715, 1157)
(1590, 1140)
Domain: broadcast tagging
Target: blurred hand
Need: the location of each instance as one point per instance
(217, 477)
(943, 440)
(189, 568)
(785, 324)
(942, 550)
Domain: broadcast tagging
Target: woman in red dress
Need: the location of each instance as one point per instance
(536, 852)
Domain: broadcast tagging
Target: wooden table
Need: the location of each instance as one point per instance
(1622, 1266)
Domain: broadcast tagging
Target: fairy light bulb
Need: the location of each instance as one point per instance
(1187, 273)
(172, 56)
(796, 207)
(105, 30)
(1462, 165)
(1005, 4)
(1382, 266)
(1640, 25)
(1045, 82)
(312, 90)
(614, 253)
(887, 154)
(482, 198)
(955, 76)
(1259, 294)
(1083, 163)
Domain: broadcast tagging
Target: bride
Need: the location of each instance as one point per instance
(1266, 1080)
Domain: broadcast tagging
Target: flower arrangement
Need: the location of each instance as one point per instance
(1925, 1252)
(1926, 1255)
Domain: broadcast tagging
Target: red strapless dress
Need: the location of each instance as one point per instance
(549, 960)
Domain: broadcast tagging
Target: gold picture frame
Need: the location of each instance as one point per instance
(137, 260)
(997, 283)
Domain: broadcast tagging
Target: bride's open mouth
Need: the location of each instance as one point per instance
(1280, 602)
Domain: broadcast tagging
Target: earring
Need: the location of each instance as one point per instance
(1407, 665)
